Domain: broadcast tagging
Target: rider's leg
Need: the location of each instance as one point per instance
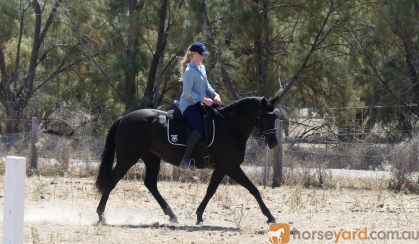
(193, 115)
(190, 145)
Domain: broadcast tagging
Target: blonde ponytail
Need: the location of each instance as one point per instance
(184, 62)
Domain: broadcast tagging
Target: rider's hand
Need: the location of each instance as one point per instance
(217, 99)
(207, 101)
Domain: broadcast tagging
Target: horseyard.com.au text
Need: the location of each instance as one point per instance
(281, 233)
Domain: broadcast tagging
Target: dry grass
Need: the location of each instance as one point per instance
(296, 195)
(405, 162)
(62, 210)
(317, 177)
(312, 174)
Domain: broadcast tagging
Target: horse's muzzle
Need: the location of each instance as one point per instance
(272, 145)
(272, 142)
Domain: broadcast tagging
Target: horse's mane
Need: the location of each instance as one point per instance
(246, 102)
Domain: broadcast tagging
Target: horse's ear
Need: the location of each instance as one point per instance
(264, 102)
(274, 100)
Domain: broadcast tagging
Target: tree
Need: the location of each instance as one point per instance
(201, 9)
(136, 49)
(29, 58)
(387, 62)
(162, 33)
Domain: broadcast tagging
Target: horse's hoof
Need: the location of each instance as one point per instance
(199, 219)
(200, 223)
(101, 222)
(271, 221)
(173, 220)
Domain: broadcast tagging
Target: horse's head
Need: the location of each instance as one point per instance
(253, 113)
(266, 121)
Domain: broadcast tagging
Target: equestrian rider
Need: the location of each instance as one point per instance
(196, 90)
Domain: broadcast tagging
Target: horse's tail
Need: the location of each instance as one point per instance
(104, 177)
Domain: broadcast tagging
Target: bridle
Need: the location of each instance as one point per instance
(266, 132)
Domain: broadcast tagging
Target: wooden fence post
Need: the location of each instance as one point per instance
(266, 167)
(278, 156)
(33, 159)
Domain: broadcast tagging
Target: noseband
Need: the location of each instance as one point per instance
(267, 131)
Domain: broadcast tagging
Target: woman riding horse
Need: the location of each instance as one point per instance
(143, 134)
(196, 90)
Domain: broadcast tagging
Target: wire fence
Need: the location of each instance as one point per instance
(358, 147)
(63, 154)
(311, 144)
(351, 153)
(339, 155)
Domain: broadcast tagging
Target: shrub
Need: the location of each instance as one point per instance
(405, 162)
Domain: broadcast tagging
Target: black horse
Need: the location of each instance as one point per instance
(142, 134)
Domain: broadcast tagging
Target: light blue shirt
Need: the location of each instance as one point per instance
(195, 86)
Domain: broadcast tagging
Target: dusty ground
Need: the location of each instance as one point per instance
(62, 210)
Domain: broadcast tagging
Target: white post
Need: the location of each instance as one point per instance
(14, 199)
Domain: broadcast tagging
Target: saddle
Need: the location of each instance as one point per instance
(178, 129)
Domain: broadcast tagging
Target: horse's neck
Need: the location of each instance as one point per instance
(248, 121)
(245, 119)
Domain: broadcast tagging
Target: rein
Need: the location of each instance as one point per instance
(230, 122)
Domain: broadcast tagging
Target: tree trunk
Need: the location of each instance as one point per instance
(158, 53)
(259, 64)
(13, 116)
(228, 85)
(261, 44)
(163, 80)
(157, 83)
(412, 61)
(131, 69)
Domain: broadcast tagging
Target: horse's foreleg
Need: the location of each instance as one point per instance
(152, 163)
(216, 178)
(240, 177)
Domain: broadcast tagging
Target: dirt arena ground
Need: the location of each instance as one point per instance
(62, 210)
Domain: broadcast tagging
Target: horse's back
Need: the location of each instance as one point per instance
(143, 116)
(136, 129)
(141, 122)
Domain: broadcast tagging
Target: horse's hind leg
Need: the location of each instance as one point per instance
(152, 164)
(117, 173)
(216, 178)
(240, 177)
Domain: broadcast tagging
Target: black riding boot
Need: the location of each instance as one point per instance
(203, 149)
(190, 145)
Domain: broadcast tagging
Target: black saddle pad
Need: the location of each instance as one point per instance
(177, 128)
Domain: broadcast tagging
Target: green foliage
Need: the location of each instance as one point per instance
(8, 15)
(340, 53)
